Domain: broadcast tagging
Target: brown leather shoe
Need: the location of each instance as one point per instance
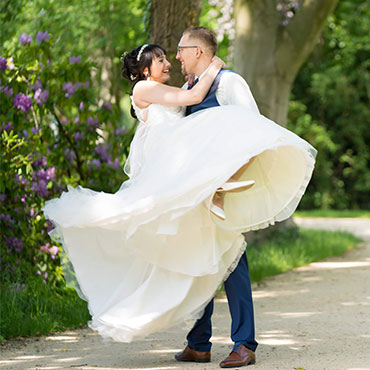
(191, 355)
(239, 356)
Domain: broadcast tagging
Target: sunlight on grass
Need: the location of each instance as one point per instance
(289, 251)
(333, 213)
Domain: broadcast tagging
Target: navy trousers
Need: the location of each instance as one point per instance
(239, 296)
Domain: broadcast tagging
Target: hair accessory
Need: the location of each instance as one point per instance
(122, 57)
(132, 77)
(141, 51)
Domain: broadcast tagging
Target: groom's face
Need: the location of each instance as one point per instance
(187, 54)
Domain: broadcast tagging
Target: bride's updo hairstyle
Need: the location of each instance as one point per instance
(135, 61)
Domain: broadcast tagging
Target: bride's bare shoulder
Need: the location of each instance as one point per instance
(144, 85)
(140, 92)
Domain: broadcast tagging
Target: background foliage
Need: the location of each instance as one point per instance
(64, 117)
(330, 108)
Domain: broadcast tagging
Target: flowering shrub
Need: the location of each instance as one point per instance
(53, 132)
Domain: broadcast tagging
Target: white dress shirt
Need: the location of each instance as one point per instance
(233, 90)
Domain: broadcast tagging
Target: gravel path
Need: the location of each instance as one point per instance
(314, 317)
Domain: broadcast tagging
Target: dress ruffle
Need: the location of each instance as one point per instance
(152, 254)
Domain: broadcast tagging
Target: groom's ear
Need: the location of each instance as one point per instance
(198, 52)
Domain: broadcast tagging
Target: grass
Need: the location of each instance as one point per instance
(293, 250)
(333, 213)
(36, 309)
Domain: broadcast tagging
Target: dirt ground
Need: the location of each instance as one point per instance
(314, 317)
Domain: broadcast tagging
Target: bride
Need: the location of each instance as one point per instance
(155, 252)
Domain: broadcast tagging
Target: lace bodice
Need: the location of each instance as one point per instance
(157, 113)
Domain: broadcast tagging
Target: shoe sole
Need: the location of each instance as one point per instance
(199, 361)
(235, 190)
(249, 363)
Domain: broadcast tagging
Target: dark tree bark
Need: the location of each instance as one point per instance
(268, 54)
(168, 20)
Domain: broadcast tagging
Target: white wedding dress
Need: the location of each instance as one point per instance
(152, 254)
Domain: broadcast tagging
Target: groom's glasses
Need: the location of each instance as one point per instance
(180, 48)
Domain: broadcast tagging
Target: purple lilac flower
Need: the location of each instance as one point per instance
(8, 91)
(45, 248)
(15, 243)
(108, 106)
(39, 187)
(54, 250)
(69, 155)
(82, 85)
(25, 39)
(46, 275)
(42, 36)
(46, 175)
(37, 85)
(102, 151)
(10, 63)
(75, 60)
(9, 127)
(81, 106)
(38, 272)
(22, 102)
(120, 131)
(96, 163)
(25, 133)
(41, 161)
(78, 136)
(69, 88)
(35, 130)
(49, 225)
(41, 96)
(4, 217)
(114, 164)
(92, 122)
(76, 120)
(51, 173)
(22, 180)
(3, 64)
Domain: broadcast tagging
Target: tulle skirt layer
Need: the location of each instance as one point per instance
(152, 254)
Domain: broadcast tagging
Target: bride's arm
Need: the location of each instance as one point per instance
(148, 92)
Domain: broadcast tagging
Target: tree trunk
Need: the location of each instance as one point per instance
(268, 54)
(168, 20)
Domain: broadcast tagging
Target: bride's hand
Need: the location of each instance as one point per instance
(218, 62)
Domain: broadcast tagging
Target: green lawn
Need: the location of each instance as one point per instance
(333, 213)
(288, 251)
(36, 309)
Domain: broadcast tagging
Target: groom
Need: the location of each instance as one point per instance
(195, 50)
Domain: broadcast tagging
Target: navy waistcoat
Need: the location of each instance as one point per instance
(210, 100)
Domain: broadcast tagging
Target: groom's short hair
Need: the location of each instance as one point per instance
(205, 35)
